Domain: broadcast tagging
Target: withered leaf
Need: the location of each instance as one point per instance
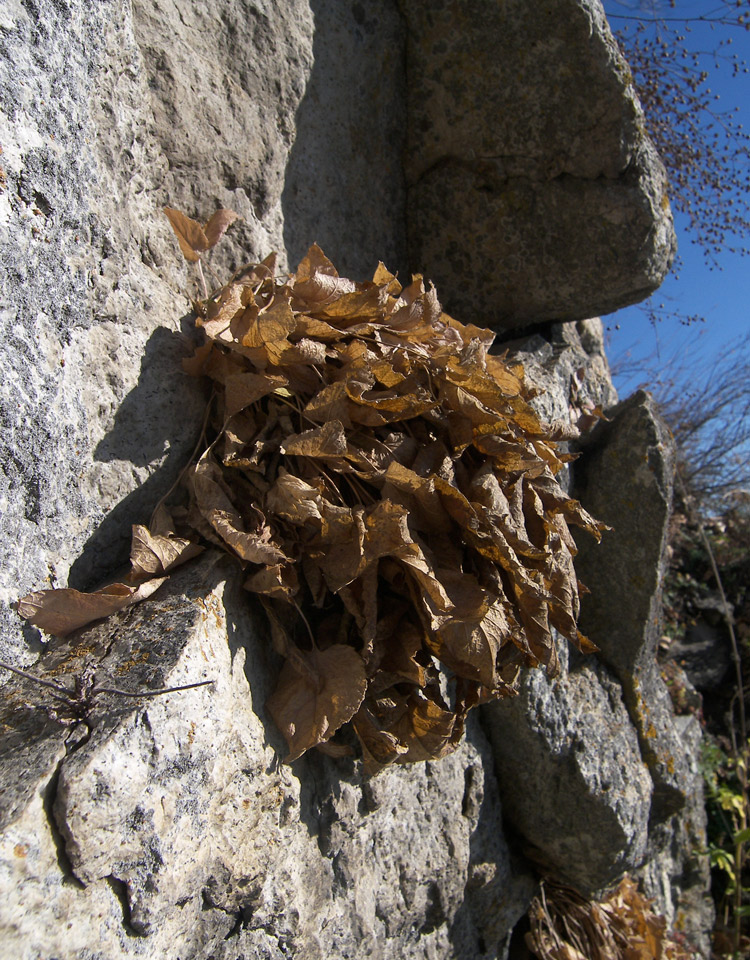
(470, 648)
(190, 235)
(195, 239)
(326, 443)
(218, 510)
(59, 612)
(330, 403)
(380, 748)
(151, 555)
(217, 226)
(310, 707)
(278, 581)
(425, 728)
(294, 499)
(244, 389)
(359, 434)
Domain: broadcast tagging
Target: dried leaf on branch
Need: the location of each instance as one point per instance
(391, 493)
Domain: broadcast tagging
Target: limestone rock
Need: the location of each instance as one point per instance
(572, 780)
(677, 875)
(568, 366)
(622, 614)
(344, 184)
(97, 419)
(623, 611)
(169, 822)
(630, 562)
(705, 654)
(167, 827)
(108, 112)
(526, 148)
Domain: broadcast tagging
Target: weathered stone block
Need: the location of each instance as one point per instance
(622, 614)
(572, 780)
(533, 191)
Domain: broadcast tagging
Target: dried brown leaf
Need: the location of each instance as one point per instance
(295, 500)
(374, 439)
(244, 389)
(219, 511)
(190, 235)
(217, 226)
(59, 612)
(153, 554)
(310, 707)
(326, 443)
(426, 728)
(380, 748)
(278, 581)
(470, 648)
(195, 365)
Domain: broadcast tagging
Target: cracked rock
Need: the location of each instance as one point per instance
(572, 780)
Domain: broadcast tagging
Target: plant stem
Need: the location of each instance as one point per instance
(203, 280)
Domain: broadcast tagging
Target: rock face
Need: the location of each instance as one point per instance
(572, 778)
(622, 615)
(168, 823)
(622, 612)
(533, 190)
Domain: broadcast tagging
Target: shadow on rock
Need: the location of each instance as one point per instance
(155, 430)
(344, 184)
(499, 884)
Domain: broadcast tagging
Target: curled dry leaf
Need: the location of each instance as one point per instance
(60, 612)
(152, 555)
(195, 239)
(391, 493)
(309, 707)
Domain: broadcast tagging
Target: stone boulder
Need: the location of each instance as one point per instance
(572, 779)
(168, 827)
(622, 613)
(534, 192)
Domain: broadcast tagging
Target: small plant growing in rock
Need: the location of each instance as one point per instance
(390, 493)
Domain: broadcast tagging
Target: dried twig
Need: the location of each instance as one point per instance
(80, 697)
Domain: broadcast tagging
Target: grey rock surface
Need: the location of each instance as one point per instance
(97, 419)
(572, 780)
(622, 614)
(568, 366)
(344, 184)
(108, 112)
(166, 827)
(631, 560)
(677, 874)
(533, 191)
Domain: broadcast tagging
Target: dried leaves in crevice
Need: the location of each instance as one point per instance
(623, 926)
(392, 495)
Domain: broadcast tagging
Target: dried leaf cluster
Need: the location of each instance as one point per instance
(391, 493)
(566, 926)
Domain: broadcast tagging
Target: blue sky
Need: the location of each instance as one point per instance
(722, 296)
